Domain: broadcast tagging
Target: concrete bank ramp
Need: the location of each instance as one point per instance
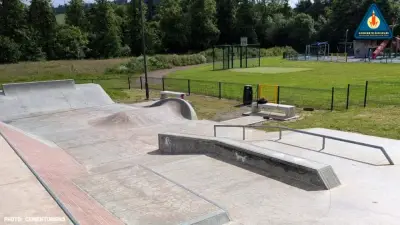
(20, 100)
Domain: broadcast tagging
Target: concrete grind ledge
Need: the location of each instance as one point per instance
(275, 163)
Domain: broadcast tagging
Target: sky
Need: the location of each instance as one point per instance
(61, 2)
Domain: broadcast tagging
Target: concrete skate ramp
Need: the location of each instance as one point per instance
(166, 111)
(12, 89)
(185, 108)
(28, 99)
(276, 163)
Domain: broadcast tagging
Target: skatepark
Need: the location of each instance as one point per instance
(68, 150)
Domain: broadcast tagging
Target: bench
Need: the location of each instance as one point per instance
(289, 111)
(164, 94)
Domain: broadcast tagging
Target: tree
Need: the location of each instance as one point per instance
(204, 30)
(226, 20)
(174, 34)
(104, 39)
(134, 26)
(246, 21)
(75, 14)
(9, 50)
(12, 19)
(42, 19)
(70, 42)
(301, 30)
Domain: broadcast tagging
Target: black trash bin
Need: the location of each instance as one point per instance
(247, 95)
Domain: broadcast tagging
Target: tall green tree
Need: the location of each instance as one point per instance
(70, 42)
(226, 21)
(42, 19)
(104, 39)
(12, 19)
(173, 26)
(134, 26)
(246, 21)
(203, 22)
(301, 30)
(75, 14)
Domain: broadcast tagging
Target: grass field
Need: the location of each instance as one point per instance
(60, 18)
(307, 84)
(320, 75)
(79, 69)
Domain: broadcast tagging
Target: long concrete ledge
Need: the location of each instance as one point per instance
(276, 163)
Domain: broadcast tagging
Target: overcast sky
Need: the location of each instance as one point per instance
(60, 2)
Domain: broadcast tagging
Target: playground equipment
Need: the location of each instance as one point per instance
(318, 49)
(236, 56)
(269, 92)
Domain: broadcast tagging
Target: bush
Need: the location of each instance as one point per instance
(157, 62)
(125, 51)
(276, 51)
(9, 50)
(70, 42)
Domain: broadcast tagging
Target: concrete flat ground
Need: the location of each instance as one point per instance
(127, 176)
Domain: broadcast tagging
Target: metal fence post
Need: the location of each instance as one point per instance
(188, 87)
(129, 82)
(365, 93)
(348, 96)
(332, 99)
(220, 91)
(163, 85)
(213, 58)
(141, 83)
(259, 56)
(278, 94)
(92, 80)
(241, 56)
(246, 56)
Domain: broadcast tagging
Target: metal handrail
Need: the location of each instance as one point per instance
(308, 133)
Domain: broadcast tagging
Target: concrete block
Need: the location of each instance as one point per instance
(276, 163)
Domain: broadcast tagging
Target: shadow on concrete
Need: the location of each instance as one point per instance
(286, 179)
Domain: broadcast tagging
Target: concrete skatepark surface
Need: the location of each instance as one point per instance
(102, 160)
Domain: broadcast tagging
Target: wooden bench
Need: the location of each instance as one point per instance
(289, 111)
(164, 94)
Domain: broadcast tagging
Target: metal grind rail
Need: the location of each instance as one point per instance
(324, 137)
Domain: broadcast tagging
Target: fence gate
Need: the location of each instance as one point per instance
(269, 92)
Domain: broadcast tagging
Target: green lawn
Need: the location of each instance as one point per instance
(320, 75)
(305, 84)
(60, 18)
